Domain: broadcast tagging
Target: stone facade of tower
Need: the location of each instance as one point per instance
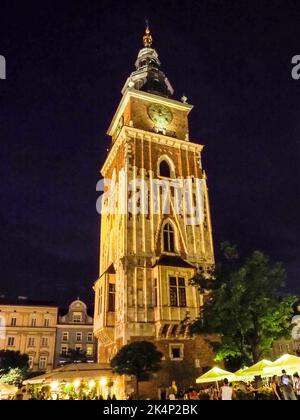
(151, 246)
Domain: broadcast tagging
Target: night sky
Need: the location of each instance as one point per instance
(66, 65)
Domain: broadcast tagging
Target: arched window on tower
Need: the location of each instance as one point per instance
(168, 238)
(164, 169)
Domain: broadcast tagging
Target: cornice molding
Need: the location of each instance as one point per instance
(131, 132)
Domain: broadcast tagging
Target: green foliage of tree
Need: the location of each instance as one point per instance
(75, 356)
(139, 358)
(11, 360)
(243, 305)
(14, 376)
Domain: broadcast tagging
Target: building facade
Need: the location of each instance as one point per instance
(75, 334)
(30, 328)
(155, 229)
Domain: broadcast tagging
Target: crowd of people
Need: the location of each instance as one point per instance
(285, 387)
(25, 394)
(282, 387)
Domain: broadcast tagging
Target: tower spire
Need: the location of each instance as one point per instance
(147, 38)
(148, 77)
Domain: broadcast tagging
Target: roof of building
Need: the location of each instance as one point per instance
(173, 261)
(148, 76)
(26, 302)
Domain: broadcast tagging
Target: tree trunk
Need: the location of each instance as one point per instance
(255, 353)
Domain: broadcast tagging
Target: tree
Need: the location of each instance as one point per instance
(11, 360)
(243, 305)
(139, 358)
(14, 376)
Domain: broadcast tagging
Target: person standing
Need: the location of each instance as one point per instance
(226, 391)
(276, 388)
(174, 388)
(286, 387)
(297, 385)
(172, 395)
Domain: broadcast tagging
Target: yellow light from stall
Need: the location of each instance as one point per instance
(76, 383)
(103, 381)
(92, 384)
(54, 386)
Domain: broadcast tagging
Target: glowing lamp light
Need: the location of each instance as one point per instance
(92, 384)
(103, 381)
(76, 383)
(54, 385)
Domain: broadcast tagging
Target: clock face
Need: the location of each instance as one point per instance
(160, 115)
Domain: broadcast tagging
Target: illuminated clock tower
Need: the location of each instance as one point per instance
(155, 229)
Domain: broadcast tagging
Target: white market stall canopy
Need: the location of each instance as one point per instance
(216, 374)
(287, 362)
(74, 371)
(248, 374)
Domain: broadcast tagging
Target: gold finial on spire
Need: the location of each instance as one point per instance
(147, 38)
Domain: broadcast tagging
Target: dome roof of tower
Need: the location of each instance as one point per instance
(148, 76)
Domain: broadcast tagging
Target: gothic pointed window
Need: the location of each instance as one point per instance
(111, 297)
(168, 238)
(164, 169)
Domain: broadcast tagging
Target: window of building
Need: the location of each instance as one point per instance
(111, 297)
(64, 350)
(44, 342)
(46, 323)
(174, 330)
(176, 351)
(13, 322)
(164, 169)
(31, 342)
(77, 317)
(89, 351)
(30, 362)
(79, 336)
(164, 330)
(181, 329)
(90, 337)
(65, 336)
(78, 347)
(168, 238)
(33, 322)
(177, 291)
(43, 362)
(11, 341)
(197, 363)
